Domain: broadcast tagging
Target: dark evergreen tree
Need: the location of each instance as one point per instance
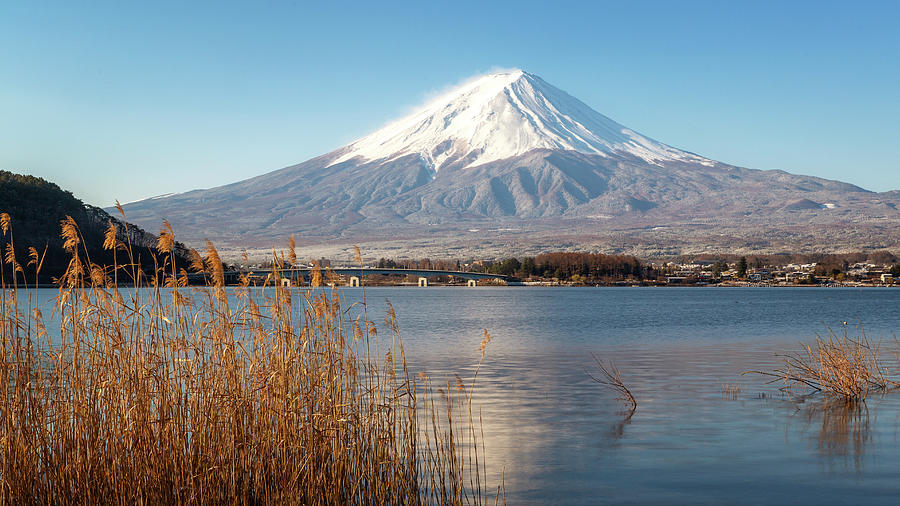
(742, 267)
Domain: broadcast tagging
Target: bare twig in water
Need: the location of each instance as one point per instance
(611, 377)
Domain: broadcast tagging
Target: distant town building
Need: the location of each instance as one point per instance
(760, 275)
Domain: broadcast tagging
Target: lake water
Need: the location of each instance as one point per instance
(563, 439)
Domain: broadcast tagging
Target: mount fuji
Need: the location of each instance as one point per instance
(508, 163)
(502, 116)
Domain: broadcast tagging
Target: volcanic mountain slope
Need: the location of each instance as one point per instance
(509, 150)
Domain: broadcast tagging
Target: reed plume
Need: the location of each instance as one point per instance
(292, 251)
(165, 242)
(69, 234)
(214, 265)
(197, 264)
(110, 241)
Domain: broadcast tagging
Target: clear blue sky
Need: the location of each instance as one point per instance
(124, 100)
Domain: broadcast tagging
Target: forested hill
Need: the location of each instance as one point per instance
(36, 207)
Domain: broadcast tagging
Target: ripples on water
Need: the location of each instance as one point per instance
(563, 439)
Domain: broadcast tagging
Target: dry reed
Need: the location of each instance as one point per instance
(730, 391)
(840, 366)
(162, 394)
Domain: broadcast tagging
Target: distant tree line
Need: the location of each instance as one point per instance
(586, 267)
(424, 264)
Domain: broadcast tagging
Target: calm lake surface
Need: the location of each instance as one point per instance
(563, 439)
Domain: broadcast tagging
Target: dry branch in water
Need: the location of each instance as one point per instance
(611, 377)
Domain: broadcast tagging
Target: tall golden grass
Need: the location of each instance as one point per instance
(168, 394)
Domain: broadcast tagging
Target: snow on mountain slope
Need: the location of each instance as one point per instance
(504, 115)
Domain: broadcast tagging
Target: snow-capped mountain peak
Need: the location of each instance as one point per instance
(509, 152)
(503, 115)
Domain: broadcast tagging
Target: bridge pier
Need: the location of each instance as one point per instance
(423, 281)
(471, 282)
(354, 281)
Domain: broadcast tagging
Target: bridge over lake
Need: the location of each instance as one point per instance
(354, 274)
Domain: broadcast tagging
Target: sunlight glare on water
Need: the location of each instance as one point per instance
(563, 439)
